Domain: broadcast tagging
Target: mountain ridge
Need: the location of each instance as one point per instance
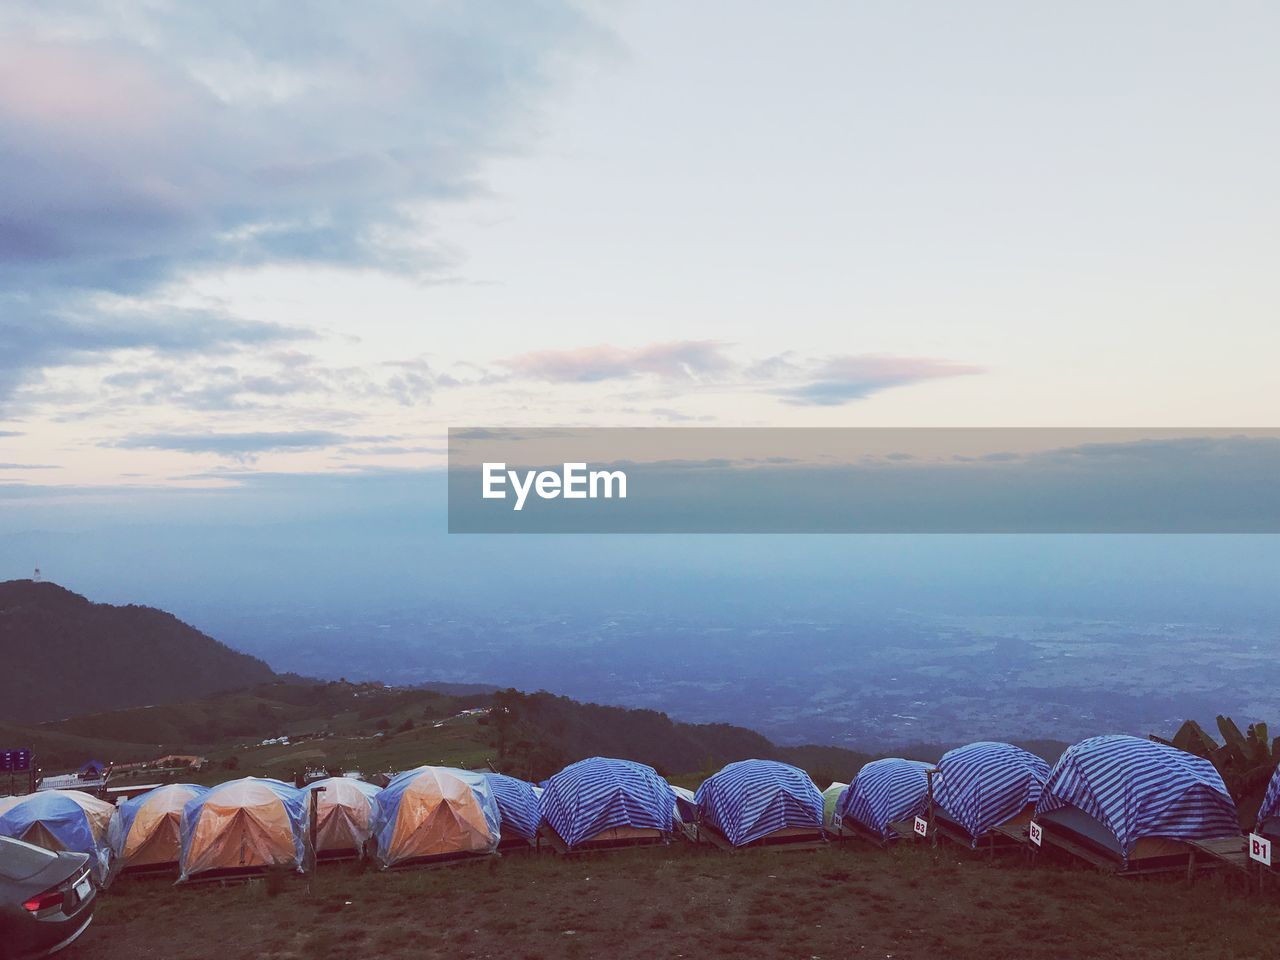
(67, 655)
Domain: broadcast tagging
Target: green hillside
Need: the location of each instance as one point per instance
(56, 750)
(374, 728)
(65, 655)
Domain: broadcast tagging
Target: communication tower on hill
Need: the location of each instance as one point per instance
(36, 575)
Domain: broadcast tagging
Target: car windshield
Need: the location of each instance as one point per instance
(19, 860)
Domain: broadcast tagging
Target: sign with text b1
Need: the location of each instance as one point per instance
(922, 826)
(1035, 833)
(1260, 849)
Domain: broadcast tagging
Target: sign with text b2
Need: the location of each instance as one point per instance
(1035, 833)
(922, 826)
(1260, 849)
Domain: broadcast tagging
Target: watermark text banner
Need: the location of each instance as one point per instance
(862, 480)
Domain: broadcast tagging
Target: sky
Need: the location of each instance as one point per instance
(239, 242)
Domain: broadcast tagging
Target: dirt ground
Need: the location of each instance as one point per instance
(850, 901)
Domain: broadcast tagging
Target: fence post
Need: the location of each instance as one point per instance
(315, 809)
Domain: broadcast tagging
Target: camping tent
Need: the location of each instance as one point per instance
(1269, 812)
(1119, 792)
(601, 800)
(986, 785)
(432, 813)
(830, 797)
(344, 815)
(884, 792)
(145, 830)
(62, 820)
(517, 807)
(686, 809)
(751, 800)
(244, 825)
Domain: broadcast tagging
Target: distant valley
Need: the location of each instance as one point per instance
(867, 680)
(873, 680)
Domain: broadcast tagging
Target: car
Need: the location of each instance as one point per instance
(46, 899)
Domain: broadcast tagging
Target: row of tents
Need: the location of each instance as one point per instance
(1133, 801)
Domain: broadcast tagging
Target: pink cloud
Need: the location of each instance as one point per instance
(77, 89)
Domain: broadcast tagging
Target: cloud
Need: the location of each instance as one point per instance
(676, 416)
(32, 340)
(238, 446)
(140, 144)
(674, 360)
(841, 380)
(1242, 451)
(237, 133)
(249, 378)
(829, 381)
(29, 466)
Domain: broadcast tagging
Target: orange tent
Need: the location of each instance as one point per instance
(145, 831)
(344, 815)
(433, 813)
(245, 825)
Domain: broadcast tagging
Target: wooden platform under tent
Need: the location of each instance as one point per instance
(236, 875)
(901, 831)
(1008, 837)
(1150, 856)
(513, 845)
(797, 838)
(618, 838)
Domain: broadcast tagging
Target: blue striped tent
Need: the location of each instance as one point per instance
(592, 796)
(751, 799)
(1137, 788)
(985, 784)
(1269, 812)
(517, 806)
(884, 792)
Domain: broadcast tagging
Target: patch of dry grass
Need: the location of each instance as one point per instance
(845, 901)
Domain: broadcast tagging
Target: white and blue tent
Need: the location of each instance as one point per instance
(1117, 791)
(145, 831)
(242, 825)
(987, 784)
(436, 813)
(753, 799)
(517, 806)
(686, 805)
(884, 792)
(1269, 812)
(343, 808)
(601, 799)
(62, 820)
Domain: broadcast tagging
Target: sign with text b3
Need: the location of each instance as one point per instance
(1260, 849)
(922, 826)
(1035, 833)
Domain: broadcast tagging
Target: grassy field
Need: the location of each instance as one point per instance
(852, 901)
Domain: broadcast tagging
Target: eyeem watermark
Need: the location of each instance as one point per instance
(862, 480)
(573, 482)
